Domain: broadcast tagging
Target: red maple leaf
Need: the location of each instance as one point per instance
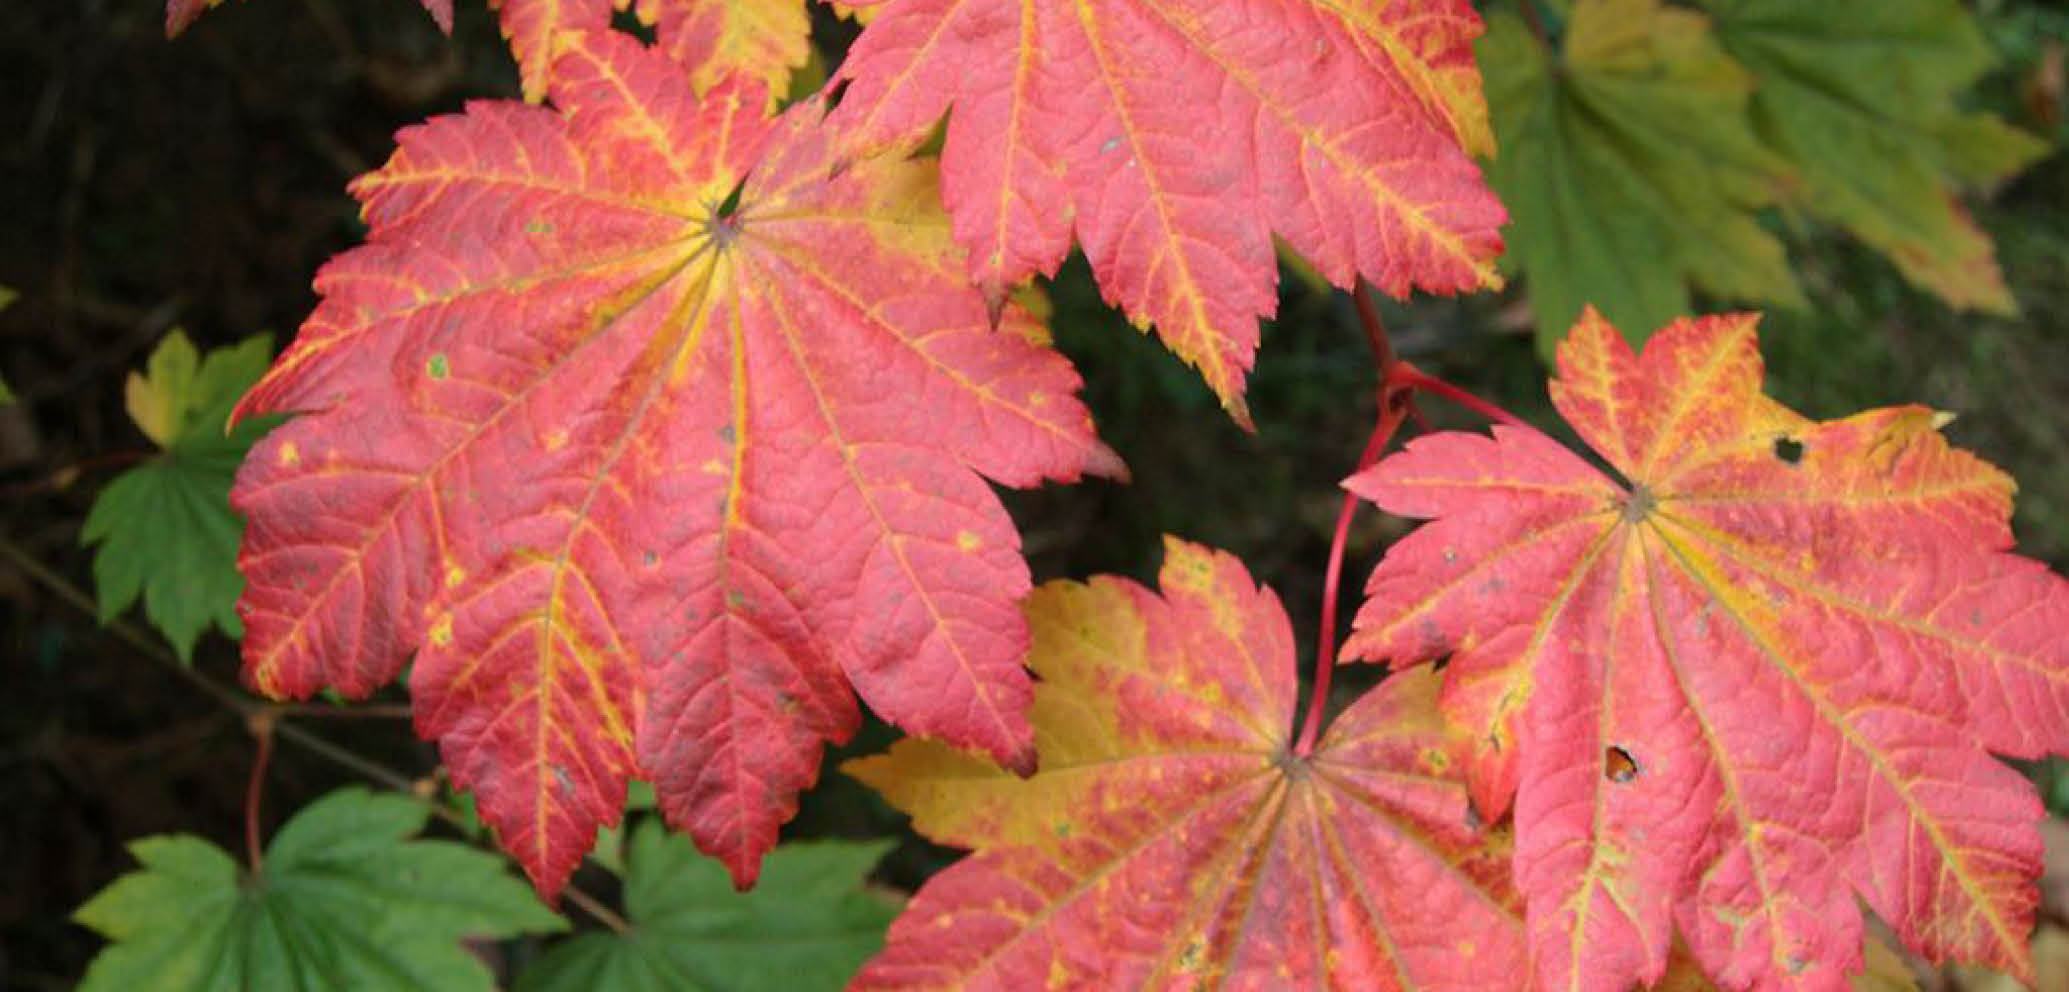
(758, 39)
(1173, 840)
(179, 14)
(1757, 677)
(646, 479)
(1174, 139)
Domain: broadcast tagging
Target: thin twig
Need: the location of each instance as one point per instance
(375, 771)
(1535, 20)
(602, 913)
(255, 710)
(1414, 378)
(63, 477)
(1398, 384)
(123, 631)
(1383, 357)
(368, 711)
(1396, 402)
(243, 705)
(1393, 407)
(261, 724)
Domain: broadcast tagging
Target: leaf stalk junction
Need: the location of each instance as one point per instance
(1398, 383)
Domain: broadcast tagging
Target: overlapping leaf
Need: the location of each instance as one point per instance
(347, 900)
(649, 466)
(1756, 678)
(807, 927)
(1864, 106)
(165, 530)
(1172, 840)
(759, 39)
(179, 14)
(1631, 166)
(1174, 138)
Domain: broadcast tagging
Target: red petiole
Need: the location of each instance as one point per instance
(261, 723)
(1399, 382)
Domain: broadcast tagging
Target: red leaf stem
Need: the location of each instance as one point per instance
(1410, 377)
(1398, 383)
(261, 724)
(1394, 404)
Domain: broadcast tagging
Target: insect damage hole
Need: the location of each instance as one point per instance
(1617, 764)
(1788, 449)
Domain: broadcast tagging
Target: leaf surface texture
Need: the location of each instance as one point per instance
(649, 482)
(1172, 139)
(762, 40)
(1754, 678)
(1172, 840)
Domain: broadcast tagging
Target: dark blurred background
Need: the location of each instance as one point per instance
(147, 184)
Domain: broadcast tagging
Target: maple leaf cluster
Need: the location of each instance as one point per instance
(655, 423)
(648, 428)
(1712, 707)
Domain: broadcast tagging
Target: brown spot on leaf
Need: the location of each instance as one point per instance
(1617, 765)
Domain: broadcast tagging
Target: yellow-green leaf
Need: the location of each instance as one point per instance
(1864, 106)
(1630, 166)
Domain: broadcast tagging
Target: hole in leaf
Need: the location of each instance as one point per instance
(724, 223)
(1788, 449)
(627, 21)
(1617, 765)
(835, 93)
(731, 204)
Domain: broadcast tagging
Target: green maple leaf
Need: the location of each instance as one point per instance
(808, 924)
(1863, 104)
(165, 528)
(1617, 148)
(346, 900)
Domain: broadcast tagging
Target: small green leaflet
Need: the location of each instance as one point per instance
(1863, 104)
(346, 901)
(1630, 166)
(808, 924)
(165, 528)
